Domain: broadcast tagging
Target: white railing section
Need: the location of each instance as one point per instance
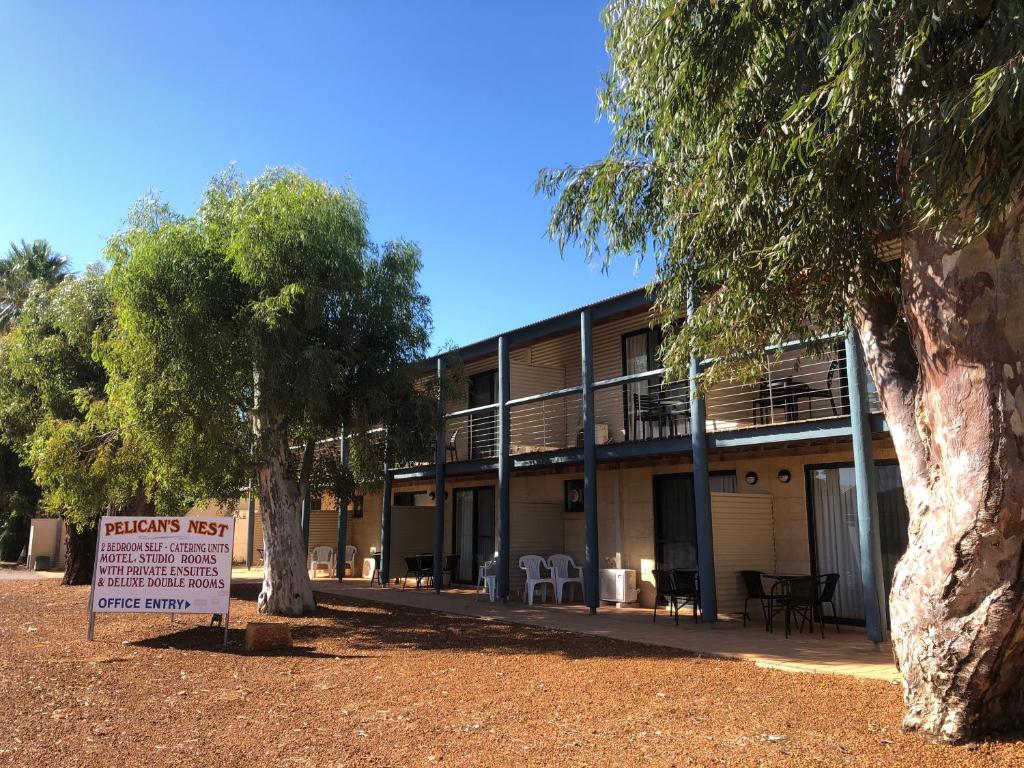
(792, 386)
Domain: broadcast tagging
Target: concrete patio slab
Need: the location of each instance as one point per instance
(846, 653)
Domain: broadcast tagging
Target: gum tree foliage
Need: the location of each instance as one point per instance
(762, 151)
(255, 328)
(25, 266)
(55, 413)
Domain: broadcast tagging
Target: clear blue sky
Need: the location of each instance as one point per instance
(439, 114)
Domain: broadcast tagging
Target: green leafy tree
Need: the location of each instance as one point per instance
(25, 265)
(54, 411)
(265, 321)
(763, 152)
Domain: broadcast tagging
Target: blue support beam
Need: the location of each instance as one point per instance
(250, 527)
(702, 495)
(867, 492)
(504, 471)
(385, 530)
(342, 505)
(590, 565)
(439, 446)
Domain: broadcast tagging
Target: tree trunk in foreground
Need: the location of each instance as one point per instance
(287, 590)
(958, 427)
(79, 556)
(80, 550)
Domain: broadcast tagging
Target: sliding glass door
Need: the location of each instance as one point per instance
(835, 534)
(483, 433)
(473, 530)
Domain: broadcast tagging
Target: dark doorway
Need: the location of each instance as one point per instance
(483, 433)
(675, 518)
(473, 538)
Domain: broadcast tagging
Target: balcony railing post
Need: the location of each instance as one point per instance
(702, 493)
(342, 507)
(591, 589)
(439, 481)
(867, 488)
(250, 527)
(504, 470)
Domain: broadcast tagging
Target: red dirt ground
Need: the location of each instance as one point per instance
(377, 686)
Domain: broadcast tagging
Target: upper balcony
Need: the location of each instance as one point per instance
(634, 402)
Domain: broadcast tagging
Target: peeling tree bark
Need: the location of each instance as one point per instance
(287, 590)
(957, 422)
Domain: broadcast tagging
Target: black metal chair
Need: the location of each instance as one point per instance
(674, 406)
(452, 449)
(755, 591)
(419, 567)
(688, 592)
(449, 566)
(665, 589)
(800, 601)
(376, 569)
(645, 411)
(829, 582)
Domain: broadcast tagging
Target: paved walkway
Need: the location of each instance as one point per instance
(847, 653)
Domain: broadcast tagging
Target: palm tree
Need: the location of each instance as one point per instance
(25, 265)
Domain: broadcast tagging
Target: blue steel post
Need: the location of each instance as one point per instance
(342, 505)
(504, 471)
(250, 527)
(702, 490)
(385, 529)
(439, 481)
(590, 564)
(867, 490)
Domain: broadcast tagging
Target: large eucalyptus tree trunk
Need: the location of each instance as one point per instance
(957, 421)
(287, 590)
(79, 555)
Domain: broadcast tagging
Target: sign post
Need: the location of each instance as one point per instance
(162, 565)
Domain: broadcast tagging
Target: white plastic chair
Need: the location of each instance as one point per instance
(322, 557)
(487, 577)
(350, 558)
(532, 564)
(560, 566)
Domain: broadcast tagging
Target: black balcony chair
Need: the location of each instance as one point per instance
(755, 591)
(451, 451)
(829, 582)
(833, 370)
(799, 599)
(419, 567)
(645, 411)
(674, 407)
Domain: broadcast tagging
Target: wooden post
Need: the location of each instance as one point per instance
(504, 471)
(867, 493)
(590, 566)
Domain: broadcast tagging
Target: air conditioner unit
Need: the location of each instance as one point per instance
(618, 585)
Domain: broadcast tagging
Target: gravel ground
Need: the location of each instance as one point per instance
(375, 686)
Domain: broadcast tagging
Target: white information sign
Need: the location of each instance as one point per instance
(163, 565)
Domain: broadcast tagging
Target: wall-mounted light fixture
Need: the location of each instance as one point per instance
(784, 476)
(432, 496)
(750, 478)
